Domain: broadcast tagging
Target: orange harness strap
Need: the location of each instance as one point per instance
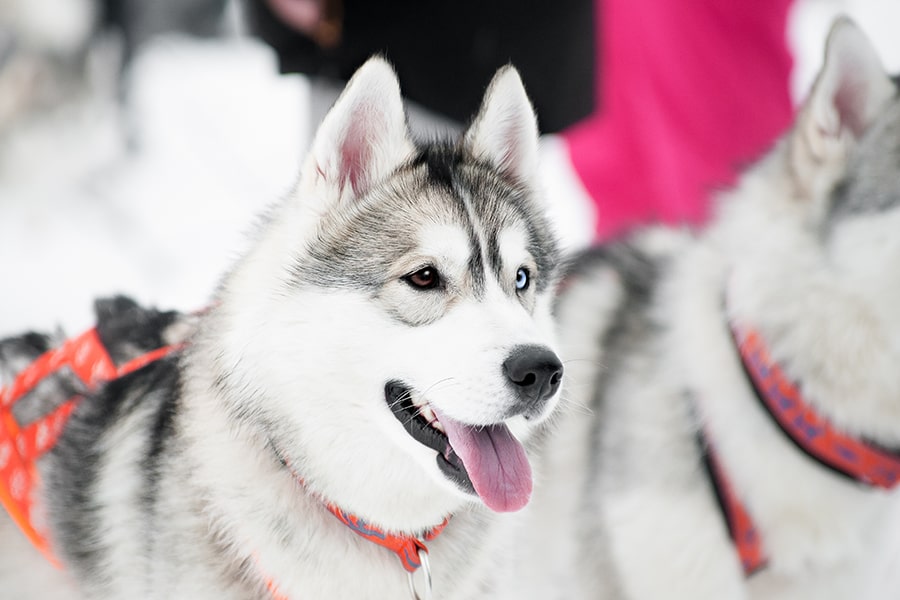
(20, 447)
(88, 359)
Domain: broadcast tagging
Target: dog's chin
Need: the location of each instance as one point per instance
(483, 462)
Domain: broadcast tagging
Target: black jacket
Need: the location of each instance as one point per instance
(446, 51)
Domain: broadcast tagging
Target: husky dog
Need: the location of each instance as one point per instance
(367, 374)
(752, 368)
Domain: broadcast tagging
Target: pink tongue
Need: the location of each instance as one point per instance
(495, 461)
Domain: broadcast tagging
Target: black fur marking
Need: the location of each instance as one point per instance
(37, 343)
(630, 325)
(442, 159)
(79, 456)
(127, 329)
(21, 349)
(161, 433)
(495, 260)
(476, 270)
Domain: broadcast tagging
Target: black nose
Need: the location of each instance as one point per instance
(535, 373)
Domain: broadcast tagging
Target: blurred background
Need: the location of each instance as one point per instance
(139, 138)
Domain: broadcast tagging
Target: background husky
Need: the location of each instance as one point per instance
(383, 347)
(805, 252)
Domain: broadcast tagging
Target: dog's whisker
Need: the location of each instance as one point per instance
(576, 405)
(440, 382)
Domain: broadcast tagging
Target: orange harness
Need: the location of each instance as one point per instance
(21, 446)
(88, 359)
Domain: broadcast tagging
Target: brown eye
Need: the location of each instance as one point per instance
(426, 278)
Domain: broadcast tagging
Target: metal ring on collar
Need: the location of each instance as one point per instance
(426, 571)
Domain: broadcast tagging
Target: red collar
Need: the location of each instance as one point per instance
(409, 549)
(406, 547)
(812, 433)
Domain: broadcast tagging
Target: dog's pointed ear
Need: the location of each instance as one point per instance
(505, 131)
(364, 136)
(848, 93)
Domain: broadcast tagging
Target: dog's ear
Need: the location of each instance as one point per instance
(505, 131)
(848, 93)
(364, 136)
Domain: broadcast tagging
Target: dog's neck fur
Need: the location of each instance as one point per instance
(763, 465)
(756, 273)
(801, 421)
(810, 431)
(309, 535)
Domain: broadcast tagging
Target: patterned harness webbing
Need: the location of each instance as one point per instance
(21, 446)
(812, 433)
(741, 527)
(848, 455)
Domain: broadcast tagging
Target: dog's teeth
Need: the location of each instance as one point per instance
(427, 413)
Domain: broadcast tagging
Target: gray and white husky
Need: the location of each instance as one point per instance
(371, 368)
(742, 382)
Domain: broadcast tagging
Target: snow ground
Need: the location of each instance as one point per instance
(155, 202)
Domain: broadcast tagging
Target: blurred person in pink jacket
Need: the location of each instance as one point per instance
(684, 92)
(687, 94)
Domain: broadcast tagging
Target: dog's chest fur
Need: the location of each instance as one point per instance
(670, 377)
(144, 509)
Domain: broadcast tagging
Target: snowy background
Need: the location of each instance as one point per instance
(153, 198)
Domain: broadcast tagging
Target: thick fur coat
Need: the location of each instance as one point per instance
(385, 346)
(805, 251)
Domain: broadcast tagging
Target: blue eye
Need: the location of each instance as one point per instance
(523, 278)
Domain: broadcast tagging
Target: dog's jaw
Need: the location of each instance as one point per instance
(485, 460)
(422, 425)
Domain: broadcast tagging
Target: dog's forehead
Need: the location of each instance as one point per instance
(504, 222)
(448, 241)
(442, 184)
(441, 200)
